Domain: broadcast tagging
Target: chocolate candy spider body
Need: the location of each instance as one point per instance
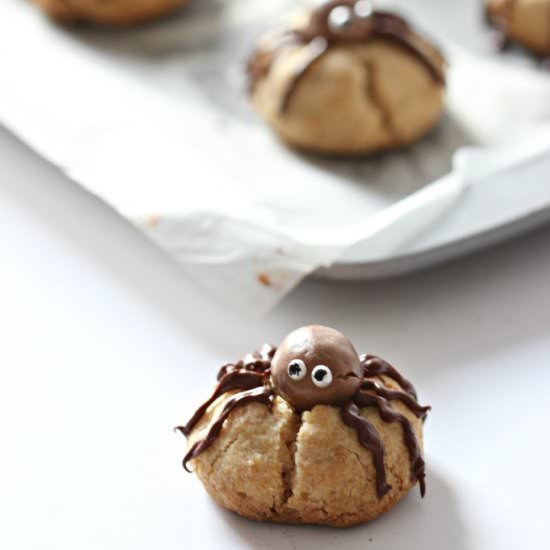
(313, 366)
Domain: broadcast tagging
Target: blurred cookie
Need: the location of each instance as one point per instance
(309, 433)
(345, 79)
(526, 22)
(108, 12)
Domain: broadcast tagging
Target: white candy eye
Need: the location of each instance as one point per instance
(363, 9)
(297, 369)
(340, 17)
(321, 376)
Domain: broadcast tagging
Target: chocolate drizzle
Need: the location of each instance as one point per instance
(319, 36)
(389, 415)
(257, 395)
(375, 366)
(259, 361)
(232, 380)
(254, 377)
(369, 438)
(391, 395)
(317, 47)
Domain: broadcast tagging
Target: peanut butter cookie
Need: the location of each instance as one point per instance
(309, 433)
(346, 79)
(108, 12)
(526, 22)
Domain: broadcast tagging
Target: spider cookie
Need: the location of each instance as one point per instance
(526, 22)
(108, 12)
(346, 79)
(309, 432)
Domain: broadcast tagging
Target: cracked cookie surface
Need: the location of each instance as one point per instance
(302, 468)
(108, 12)
(353, 97)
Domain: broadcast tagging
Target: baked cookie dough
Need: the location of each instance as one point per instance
(108, 12)
(310, 432)
(345, 79)
(526, 22)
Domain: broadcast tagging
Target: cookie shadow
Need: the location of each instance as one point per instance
(434, 522)
(187, 29)
(201, 48)
(396, 174)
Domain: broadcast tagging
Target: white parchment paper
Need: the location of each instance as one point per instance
(155, 122)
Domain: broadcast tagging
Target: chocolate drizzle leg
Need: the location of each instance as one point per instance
(259, 64)
(369, 438)
(390, 395)
(389, 415)
(315, 50)
(257, 395)
(259, 361)
(232, 380)
(375, 366)
(323, 32)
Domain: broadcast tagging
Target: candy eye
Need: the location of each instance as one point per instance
(321, 376)
(340, 18)
(363, 9)
(297, 369)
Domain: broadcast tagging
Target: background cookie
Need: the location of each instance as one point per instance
(108, 12)
(294, 461)
(524, 21)
(353, 91)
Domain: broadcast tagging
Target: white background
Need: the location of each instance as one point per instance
(105, 346)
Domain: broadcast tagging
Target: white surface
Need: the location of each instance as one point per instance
(155, 122)
(106, 346)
